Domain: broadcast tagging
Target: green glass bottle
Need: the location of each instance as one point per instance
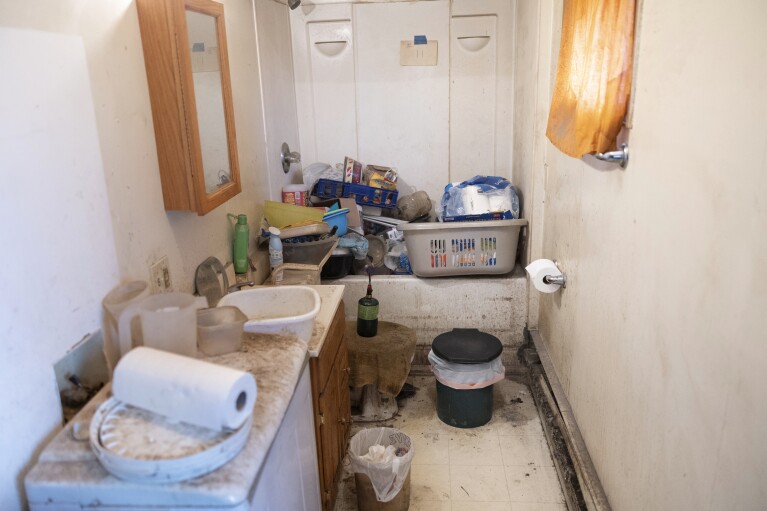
(367, 313)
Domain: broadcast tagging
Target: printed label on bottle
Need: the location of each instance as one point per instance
(367, 312)
(275, 258)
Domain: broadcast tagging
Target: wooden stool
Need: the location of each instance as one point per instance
(380, 365)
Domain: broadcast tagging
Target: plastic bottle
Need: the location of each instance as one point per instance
(275, 251)
(240, 245)
(367, 313)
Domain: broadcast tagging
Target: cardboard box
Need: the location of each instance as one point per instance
(353, 219)
(352, 171)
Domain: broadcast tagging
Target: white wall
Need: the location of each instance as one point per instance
(659, 337)
(84, 237)
(51, 293)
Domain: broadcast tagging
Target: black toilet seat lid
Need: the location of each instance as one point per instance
(466, 346)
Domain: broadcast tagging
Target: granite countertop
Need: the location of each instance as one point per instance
(67, 468)
(331, 297)
(68, 471)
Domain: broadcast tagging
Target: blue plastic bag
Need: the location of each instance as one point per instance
(480, 198)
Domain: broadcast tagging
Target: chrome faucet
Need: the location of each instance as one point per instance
(240, 285)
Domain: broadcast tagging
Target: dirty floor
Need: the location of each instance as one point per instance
(503, 465)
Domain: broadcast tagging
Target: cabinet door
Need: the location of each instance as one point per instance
(329, 440)
(330, 381)
(343, 406)
(291, 461)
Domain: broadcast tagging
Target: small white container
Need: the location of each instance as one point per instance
(219, 330)
(277, 310)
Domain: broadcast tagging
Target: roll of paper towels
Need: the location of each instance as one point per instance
(539, 269)
(185, 389)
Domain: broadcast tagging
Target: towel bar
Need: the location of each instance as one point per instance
(620, 156)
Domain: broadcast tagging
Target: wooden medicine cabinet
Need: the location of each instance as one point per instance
(188, 73)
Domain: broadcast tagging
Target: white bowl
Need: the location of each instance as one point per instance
(277, 310)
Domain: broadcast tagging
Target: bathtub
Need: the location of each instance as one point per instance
(430, 306)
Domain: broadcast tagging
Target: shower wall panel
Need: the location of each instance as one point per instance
(491, 68)
(324, 63)
(434, 123)
(403, 110)
(473, 77)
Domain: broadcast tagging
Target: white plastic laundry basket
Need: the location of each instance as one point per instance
(462, 248)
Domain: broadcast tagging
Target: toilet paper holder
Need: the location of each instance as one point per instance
(557, 280)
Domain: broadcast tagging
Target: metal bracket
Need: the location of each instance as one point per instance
(559, 280)
(620, 156)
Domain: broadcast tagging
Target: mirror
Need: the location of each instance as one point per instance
(190, 90)
(209, 97)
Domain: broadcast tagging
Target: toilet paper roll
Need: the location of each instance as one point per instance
(185, 389)
(539, 269)
(474, 201)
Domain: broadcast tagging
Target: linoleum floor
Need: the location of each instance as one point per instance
(504, 465)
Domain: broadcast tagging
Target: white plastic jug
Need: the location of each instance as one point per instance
(114, 304)
(168, 322)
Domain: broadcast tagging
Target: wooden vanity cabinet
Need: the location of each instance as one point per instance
(332, 412)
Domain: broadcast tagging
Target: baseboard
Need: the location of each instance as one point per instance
(580, 483)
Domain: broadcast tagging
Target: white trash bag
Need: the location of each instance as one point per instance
(384, 455)
(466, 376)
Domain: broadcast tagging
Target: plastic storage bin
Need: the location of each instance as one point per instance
(462, 248)
(338, 265)
(219, 330)
(362, 195)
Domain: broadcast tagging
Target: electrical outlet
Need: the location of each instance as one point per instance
(159, 275)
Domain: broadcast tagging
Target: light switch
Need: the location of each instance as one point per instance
(411, 54)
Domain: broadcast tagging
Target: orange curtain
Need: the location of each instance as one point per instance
(591, 92)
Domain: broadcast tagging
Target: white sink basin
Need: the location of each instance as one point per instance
(277, 310)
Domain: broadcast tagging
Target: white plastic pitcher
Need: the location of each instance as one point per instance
(168, 322)
(114, 304)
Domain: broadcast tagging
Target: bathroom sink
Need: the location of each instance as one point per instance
(277, 310)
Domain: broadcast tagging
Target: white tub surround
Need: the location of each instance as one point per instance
(494, 304)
